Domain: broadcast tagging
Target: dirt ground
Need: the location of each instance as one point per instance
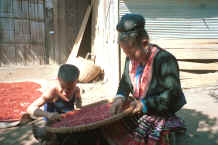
(200, 112)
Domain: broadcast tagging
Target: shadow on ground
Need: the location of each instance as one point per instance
(201, 130)
(17, 136)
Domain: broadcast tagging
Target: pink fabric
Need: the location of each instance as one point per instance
(144, 82)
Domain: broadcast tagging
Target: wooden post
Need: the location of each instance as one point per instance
(60, 31)
(104, 41)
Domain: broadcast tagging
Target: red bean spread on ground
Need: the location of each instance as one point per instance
(15, 97)
(86, 115)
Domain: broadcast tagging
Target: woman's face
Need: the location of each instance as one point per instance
(133, 52)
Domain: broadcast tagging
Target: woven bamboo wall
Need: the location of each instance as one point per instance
(22, 32)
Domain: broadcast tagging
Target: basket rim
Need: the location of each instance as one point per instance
(89, 126)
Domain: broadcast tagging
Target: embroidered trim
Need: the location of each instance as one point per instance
(141, 91)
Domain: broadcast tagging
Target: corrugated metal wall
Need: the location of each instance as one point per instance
(186, 28)
(176, 19)
(22, 32)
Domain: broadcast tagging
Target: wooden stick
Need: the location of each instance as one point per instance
(79, 37)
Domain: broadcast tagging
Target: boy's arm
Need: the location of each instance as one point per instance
(34, 108)
(78, 99)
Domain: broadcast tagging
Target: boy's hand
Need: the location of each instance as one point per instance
(54, 116)
(78, 102)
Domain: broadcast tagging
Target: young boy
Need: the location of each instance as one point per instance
(59, 98)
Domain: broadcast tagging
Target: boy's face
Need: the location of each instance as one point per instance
(67, 88)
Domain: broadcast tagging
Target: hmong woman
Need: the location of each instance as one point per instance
(151, 75)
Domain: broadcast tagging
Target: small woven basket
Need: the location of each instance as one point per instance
(93, 125)
(88, 70)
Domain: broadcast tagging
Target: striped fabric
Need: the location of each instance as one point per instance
(144, 130)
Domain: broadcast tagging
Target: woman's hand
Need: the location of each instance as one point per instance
(116, 106)
(53, 116)
(137, 106)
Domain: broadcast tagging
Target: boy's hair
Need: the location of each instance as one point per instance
(68, 73)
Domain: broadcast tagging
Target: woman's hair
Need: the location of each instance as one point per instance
(133, 37)
(131, 29)
(68, 73)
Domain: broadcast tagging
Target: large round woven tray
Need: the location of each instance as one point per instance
(92, 125)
